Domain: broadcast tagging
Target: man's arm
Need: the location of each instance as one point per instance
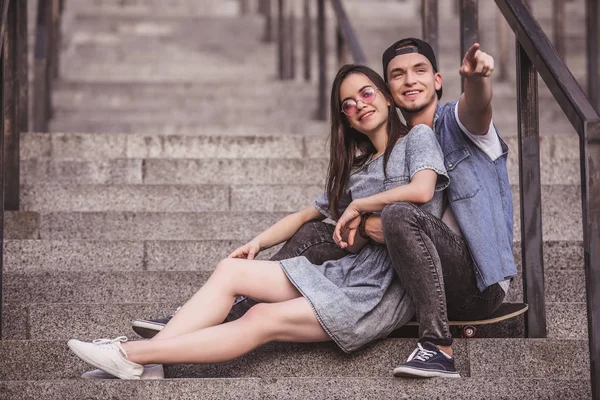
(475, 103)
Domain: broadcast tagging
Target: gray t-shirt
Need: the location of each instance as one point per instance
(416, 151)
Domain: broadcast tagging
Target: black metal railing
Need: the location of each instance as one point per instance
(46, 60)
(346, 42)
(13, 108)
(536, 55)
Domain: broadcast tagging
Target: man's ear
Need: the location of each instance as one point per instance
(438, 80)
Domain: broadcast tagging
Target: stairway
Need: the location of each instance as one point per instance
(172, 143)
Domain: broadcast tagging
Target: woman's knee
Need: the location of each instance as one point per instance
(266, 318)
(396, 217)
(230, 270)
(226, 266)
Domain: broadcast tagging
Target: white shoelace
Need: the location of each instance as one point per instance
(421, 354)
(120, 339)
(108, 344)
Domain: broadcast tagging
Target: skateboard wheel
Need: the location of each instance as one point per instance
(469, 332)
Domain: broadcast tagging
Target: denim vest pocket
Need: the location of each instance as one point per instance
(464, 182)
(395, 181)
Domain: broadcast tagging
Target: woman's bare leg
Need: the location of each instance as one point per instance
(261, 280)
(292, 320)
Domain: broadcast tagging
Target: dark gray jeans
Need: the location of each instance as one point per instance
(433, 264)
(435, 267)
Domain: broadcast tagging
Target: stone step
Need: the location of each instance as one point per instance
(129, 198)
(178, 286)
(106, 96)
(302, 388)
(154, 73)
(71, 96)
(173, 8)
(501, 358)
(106, 146)
(24, 256)
(206, 114)
(181, 172)
(216, 198)
(142, 226)
(99, 146)
(166, 198)
(264, 171)
(561, 222)
(29, 256)
(60, 321)
(229, 125)
(257, 127)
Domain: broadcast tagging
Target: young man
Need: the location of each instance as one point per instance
(457, 267)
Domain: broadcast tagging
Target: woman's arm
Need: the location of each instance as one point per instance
(279, 232)
(286, 227)
(420, 190)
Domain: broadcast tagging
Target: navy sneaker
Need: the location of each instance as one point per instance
(427, 361)
(148, 328)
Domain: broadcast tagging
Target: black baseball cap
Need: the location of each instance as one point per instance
(409, 45)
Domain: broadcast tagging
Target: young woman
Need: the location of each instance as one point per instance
(374, 161)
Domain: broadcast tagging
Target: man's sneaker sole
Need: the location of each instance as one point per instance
(74, 346)
(146, 329)
(405, 372)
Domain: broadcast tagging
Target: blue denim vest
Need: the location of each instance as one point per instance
(480, 197)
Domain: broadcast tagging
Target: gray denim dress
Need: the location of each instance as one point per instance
(359, 297)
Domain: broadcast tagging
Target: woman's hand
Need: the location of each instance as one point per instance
(347, 226)
(248, 251)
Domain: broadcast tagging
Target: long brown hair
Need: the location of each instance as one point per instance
(350, 149)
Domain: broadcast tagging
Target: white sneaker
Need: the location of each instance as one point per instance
(151, 371)
(107, 355)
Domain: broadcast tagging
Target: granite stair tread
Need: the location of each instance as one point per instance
(61, 321)
(563, 286)
(476, 358)
(35, 255)
(302, 388)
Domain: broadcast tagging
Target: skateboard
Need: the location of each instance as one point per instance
(504, 312)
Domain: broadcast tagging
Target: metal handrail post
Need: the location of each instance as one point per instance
(3, 14)
(9, 111)
(469, 27)
(590, 195)
(41, 77)
(429, 10)
(268, 13)
(593, 41)
(307, 44)
(558, 27)
(502, 29)
(530, 194)
(281, 40)
(341, 47)
(292, 41)
(22, 68)
(322, 61)
(55, 23)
